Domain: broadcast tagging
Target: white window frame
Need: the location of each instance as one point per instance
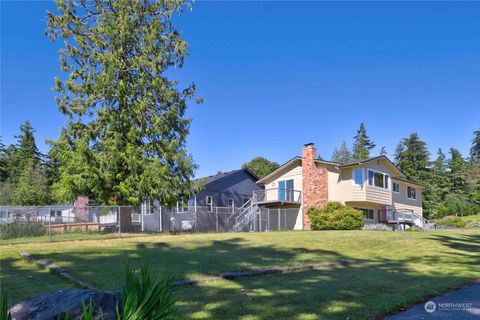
(231, 206)
(181, 206)
(209, 204)
(373, 182)
(406, 193)
(393, 189)
(353, 176)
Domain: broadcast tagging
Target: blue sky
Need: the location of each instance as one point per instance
(275, 75)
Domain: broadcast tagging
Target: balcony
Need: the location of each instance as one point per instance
(277, 196)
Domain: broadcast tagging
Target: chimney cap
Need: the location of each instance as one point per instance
(310, 144)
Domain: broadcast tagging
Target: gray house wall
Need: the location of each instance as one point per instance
(239, 186)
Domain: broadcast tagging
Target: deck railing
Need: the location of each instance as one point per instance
(277, 195)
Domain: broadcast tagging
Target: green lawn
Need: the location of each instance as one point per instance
(386, 271)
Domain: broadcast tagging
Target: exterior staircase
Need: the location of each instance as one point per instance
(244, 220)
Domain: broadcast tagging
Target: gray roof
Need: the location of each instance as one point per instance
(221, 175)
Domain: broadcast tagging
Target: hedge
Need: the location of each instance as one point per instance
(335, 216)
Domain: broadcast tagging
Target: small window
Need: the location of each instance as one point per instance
(411, 193)
(209, 203)
(182, 206)
(396, 187)
(231, 204)
(358, 176)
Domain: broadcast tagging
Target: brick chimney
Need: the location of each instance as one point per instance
(81, 209)
(314, 182)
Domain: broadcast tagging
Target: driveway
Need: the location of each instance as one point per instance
(459, 304)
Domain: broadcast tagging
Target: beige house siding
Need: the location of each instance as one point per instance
(401, 202)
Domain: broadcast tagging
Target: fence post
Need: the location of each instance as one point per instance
(279, 220)
(216, 219)
(119, 222)
(49, 225)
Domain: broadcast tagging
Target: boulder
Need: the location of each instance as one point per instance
(54, 305)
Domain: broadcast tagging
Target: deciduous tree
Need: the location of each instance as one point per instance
(261, 166)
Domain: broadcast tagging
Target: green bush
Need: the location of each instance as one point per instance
(335, 216)
(19, 229)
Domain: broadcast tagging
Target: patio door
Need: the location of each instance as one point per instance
(285, 190)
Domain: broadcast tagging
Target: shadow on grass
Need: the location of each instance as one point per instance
(367, 288)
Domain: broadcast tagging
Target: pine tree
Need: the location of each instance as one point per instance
(458, 174)
(125, 139)
(26, 149)
(383, 151)
(412, 157)
(475, 149)
(362, 144)
(439, 183)
(343, 154)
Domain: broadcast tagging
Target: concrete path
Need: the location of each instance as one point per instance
(459, 304)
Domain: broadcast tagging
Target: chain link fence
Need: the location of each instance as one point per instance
(34, 221)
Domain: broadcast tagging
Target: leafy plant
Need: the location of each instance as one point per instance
(146, 299)
(4, 313)
(335, 216)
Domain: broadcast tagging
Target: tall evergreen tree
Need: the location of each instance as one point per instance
(32, 187)
(383, 151)
(475, 149)
(412, 157)
(362, 144)
(26, 148)
(458, 173)
(439, 183)
(342, 154)
(126, 132)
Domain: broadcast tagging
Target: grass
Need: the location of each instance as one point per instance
(386, 271)
(459, 222)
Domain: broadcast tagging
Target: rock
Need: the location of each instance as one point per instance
(55, 304)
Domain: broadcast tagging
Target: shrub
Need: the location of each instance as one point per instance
(20, 229)
(335, 216)
(473, 224)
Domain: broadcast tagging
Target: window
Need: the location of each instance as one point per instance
(231, 204)
(285, 190)
(358, 176)
(396, 187)
(368, 213)
(209, 203)
(411, 193)
(377, 179)
(182, 206)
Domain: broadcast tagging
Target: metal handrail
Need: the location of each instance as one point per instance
(291, 195)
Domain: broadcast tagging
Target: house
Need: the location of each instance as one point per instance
(374, 185)
(226, 189)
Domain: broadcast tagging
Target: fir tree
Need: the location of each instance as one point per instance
(475, 149)
(458, 172)
(412, 157)
(126, 132)
(343, 154)
(26, 149)
(383, 151)
(362, 144)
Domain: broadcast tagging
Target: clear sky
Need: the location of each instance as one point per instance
(276, 75)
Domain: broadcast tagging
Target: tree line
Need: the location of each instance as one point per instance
(453, 180)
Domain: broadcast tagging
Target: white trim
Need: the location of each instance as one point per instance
(406, 193)
(393, 189)
(384, 174)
